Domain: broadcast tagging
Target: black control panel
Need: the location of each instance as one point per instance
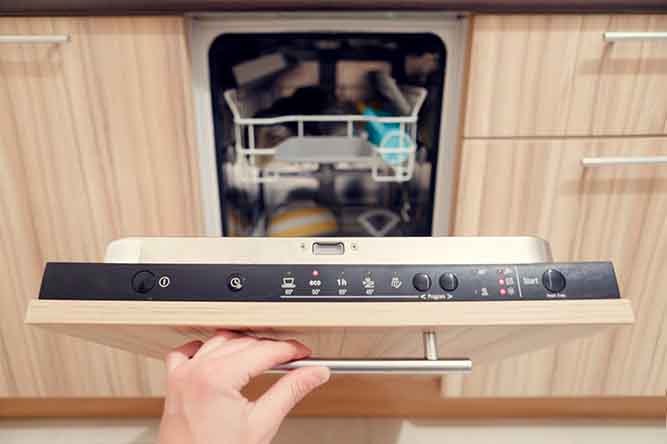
(358, 283)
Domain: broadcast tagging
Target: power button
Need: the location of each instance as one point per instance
(143, 282)
(235, 282)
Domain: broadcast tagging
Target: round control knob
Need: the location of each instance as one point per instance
(553, 280)
(448, 281)
(421, 281)
(143, 282)
(235, 282)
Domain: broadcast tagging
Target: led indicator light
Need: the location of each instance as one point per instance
(501, 281)
(503, 292)
(316, 273)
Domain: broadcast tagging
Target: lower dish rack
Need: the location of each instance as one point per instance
(384, 146)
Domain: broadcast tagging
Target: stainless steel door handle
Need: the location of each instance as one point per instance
(380, 366)
(35, 39)
(592, 162)
(430, 365)
(612, 37)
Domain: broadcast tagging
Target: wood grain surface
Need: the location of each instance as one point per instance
(554, 75)
(482, 331)
(96, 142)
(408, 398)
(616, 213)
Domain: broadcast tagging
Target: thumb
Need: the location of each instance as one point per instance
(272, 407)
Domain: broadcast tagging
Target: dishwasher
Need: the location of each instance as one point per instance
(327, 124)
(152, 294)
(326, 152)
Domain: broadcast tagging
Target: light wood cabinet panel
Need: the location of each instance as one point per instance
(96, 142)
(554, 75)
(481, 331)
(618, 213)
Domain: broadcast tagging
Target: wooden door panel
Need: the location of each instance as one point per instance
(96, 142)
(618, 213)
(555, 75)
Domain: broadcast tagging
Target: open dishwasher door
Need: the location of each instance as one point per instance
(485, 298)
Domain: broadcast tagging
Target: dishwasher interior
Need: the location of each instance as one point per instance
(327, 134)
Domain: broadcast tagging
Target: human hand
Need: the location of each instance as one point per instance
(204, 404)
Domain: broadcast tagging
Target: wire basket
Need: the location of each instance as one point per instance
(386, 149)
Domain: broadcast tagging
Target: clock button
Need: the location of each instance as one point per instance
(235, 282)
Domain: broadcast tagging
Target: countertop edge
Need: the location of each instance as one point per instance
(177, 7)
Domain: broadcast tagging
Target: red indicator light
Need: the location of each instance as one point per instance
(503, 292)
(316, 273)
(501, 281)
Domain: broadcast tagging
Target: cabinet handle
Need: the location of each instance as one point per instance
(393, 366)
(612, 37)
(430, 365)
(592, 162)
(30, 39)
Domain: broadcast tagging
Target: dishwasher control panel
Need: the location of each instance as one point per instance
(329, 283)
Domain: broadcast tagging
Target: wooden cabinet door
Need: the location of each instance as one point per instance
(96, 142)
(618, 213)
(554, 75)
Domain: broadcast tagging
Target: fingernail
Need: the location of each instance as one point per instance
(324, 375)
(300, 345)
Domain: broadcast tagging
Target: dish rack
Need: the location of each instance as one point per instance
(391, 158)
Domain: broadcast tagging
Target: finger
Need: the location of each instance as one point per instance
(214, 342)
(230, 347)
(271, 408)
(237, 369)
(181, 354)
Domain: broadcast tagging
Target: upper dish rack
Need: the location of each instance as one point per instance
(389, 154)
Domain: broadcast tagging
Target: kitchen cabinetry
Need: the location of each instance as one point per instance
(545, 92)
(616, 212)
(555, 75)
(96, 142)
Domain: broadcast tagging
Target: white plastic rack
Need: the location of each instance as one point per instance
(390, 160)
